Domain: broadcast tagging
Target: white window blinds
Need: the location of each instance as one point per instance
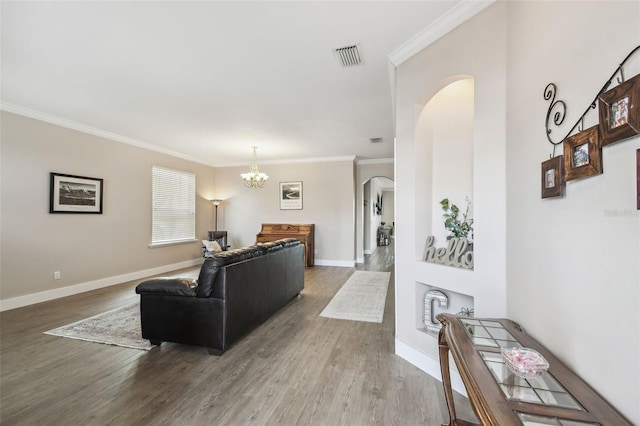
(174, 206)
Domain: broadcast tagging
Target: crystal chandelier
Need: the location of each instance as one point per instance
(255, 178)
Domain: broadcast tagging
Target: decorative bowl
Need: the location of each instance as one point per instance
(525, 362)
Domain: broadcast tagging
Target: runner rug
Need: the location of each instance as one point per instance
(120, 327)
(361, 298)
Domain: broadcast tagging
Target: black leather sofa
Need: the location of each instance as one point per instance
(236, 291)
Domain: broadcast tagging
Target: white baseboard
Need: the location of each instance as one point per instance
(429, 365)
(341, 263)
(360, 260)
(369, 251)
(43, 296)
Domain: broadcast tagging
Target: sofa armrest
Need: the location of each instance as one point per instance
(169, 286)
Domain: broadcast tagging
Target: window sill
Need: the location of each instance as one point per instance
(173, 243)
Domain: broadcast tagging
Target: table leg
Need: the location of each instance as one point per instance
(446, 377)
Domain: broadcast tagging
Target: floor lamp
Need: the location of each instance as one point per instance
(216, 203)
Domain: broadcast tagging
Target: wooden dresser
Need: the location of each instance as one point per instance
(303, 232)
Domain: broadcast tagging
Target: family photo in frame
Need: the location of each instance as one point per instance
(619, 114)
(582, 154)
(553, 177)
(619, 119)
(638, 179)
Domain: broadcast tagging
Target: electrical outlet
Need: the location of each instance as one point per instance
(56, 275)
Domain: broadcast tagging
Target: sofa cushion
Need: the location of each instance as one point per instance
(288, 242)
(270, 246)
(207, 277)
(211, 246)
(237, 255)
(168, 286)
(216, 260)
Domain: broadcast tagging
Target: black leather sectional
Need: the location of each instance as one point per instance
(236, 291)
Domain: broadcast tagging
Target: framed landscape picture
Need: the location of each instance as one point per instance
(290, 195)
(553, 177)
(619, 112)
(75, 194)
(582, 154)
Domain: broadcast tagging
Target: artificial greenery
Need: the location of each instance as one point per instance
(458, 228)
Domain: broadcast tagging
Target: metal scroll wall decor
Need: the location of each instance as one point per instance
(619, 119)
(430, 323)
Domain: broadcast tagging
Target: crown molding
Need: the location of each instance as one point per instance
(63, 122)
(293, 161)
(47, 118)
(458, 15)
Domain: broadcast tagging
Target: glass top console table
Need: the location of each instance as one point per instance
(498, 396)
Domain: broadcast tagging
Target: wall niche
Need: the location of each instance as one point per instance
(456, 303)
(444, 157)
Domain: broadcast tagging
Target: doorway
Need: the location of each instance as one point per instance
(378, 214)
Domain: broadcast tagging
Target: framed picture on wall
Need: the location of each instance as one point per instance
(582, 154)
(638, 179)
(553, 177)
(619, 112)
(75, 194)
(378, 211)
(290, 195)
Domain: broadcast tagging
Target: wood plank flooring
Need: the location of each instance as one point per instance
(296, 369)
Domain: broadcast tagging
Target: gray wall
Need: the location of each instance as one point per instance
(93, 251)
(328, 202)
(88, 250)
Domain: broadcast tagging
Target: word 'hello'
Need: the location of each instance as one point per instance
(455, 254)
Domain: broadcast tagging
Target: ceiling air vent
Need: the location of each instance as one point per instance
(349, 56)
(375, 140)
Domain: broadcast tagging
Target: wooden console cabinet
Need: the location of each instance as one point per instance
(501, 398)
(303, 232)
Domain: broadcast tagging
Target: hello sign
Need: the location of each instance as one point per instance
(455, 254)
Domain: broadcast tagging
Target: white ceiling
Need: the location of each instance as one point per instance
(209, 79)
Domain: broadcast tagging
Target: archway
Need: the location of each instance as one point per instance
(378, 200)
(444, 156)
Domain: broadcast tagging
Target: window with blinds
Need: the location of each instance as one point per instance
(174, 206)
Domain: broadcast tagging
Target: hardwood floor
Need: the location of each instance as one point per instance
(296, 369)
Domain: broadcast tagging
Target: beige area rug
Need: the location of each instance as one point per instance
(361, 298)
(120, 327)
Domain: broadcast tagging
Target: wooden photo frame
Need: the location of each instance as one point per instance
(75, 194)
(582, 154)
(290, 195)
(638, 179)
(552, 174)
(619, 112)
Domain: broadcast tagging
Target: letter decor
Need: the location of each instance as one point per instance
(455, 254)
(430, 323)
